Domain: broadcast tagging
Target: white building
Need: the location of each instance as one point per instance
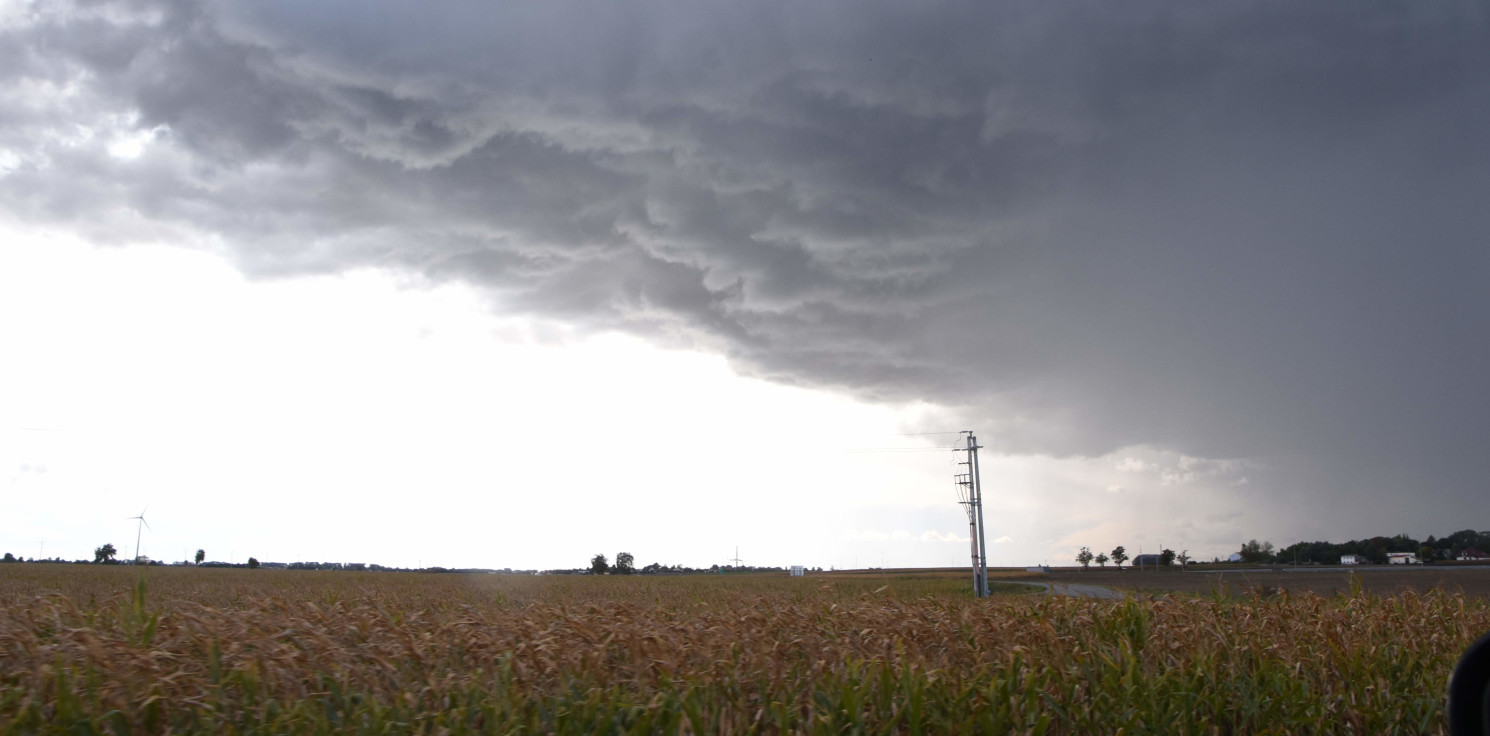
(1351, 559)
(798, 571)
(1235, 557)
(1402, 558)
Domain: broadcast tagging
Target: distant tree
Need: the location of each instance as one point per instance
(1255, 551)
(1119, 556)
(1084, 558)
(9, 557)
(253, 564)
(1166, 558)
(201, 555)
(1375, 550)
(1403, 543)
(1183, 557)
(1427, 554)
(625, 563)
(104, 554)
(598, 565)
(1101, 559)
(1460, 541)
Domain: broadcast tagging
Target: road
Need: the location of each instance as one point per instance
(1343, 568)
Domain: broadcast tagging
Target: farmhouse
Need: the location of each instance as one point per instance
(1402, 558)
(1473, 555)
(1352, 559)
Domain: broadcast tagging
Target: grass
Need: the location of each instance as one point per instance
(95, 650)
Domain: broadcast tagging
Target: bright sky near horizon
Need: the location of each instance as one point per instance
(509, 286)
(355, 418)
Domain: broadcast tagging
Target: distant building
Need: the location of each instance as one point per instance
(798, 571)
(1235, 557)
(1037, 568)
(1402, 558)
(1352, 559)
(1473, 555)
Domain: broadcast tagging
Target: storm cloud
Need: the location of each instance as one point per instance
(1240, 230)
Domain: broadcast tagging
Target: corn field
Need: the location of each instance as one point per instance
(106, 650)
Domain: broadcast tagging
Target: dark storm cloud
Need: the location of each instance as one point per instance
(1241, 229)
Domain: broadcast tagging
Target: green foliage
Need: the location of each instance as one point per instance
(1375, 549)
(625, 564)
(1084, 558)
(598, 565)
(1257, 552)
(1119, 556)
(1166, 557)
(104, 554)
(201, 555)
(253, 564)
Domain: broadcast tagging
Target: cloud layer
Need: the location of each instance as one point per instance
(1251, 230)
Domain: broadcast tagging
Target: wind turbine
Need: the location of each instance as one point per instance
(138, 528)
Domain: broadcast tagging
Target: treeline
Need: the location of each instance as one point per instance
(255, 564)
(660, 569)
(371, 567)
(1373, 549)
(625, 564)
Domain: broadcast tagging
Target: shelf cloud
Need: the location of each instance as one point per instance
(1247, 233)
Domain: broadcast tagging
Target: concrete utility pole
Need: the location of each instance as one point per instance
(970, 491)
(972, 446)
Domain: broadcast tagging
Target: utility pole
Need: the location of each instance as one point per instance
(970, 493)
(972, 445)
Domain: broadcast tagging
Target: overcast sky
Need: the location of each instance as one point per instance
(490, 285)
